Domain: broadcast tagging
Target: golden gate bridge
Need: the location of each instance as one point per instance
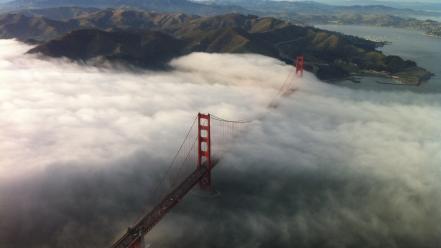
(207, 140)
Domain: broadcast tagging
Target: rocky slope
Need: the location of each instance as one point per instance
(59, 13)
(25, 28)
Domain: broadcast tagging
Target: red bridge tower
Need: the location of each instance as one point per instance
(204, 149)
(300, 61)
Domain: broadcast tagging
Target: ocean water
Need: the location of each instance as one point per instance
(408, 44)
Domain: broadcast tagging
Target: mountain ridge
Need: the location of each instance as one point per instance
(330, 55)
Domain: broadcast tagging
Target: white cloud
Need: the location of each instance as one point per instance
(54, 111)
(331, 166)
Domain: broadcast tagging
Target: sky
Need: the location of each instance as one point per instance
(372, 1)
(83, 149)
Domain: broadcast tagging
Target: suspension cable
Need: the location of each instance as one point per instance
(224, 120)
(172, 164)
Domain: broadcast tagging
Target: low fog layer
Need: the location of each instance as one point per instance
(54, 111)
(82, 149)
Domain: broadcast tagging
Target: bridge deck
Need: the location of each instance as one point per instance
(135, 234)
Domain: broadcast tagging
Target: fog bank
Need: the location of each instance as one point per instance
(82, 149)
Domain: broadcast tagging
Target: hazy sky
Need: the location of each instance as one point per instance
(372, 1)
(397, 3)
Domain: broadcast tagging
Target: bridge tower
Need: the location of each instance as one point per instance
(204, 149)
(300, 61)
